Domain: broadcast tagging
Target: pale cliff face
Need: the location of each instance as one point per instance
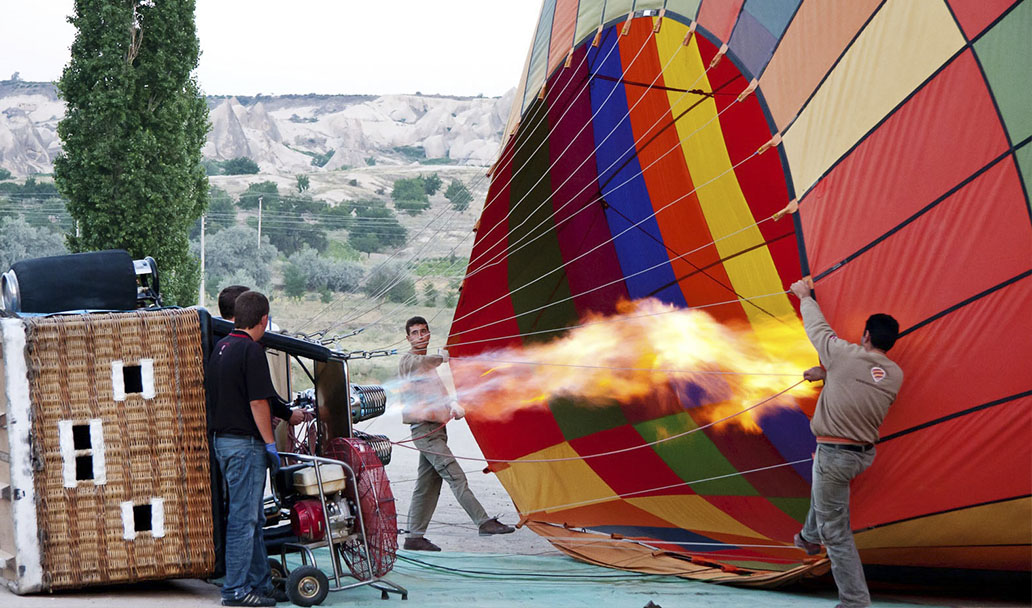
(282, 133)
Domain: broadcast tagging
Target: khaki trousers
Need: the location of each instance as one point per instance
(436, 463)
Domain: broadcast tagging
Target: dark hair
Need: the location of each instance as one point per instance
(415, 321)
(251, 306)
(884, 330)
(227, 300)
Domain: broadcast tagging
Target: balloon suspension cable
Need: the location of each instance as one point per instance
(613, 238)
(624, 369)
(423, 436)
(609, 538)
(386, 261)
(587, 157)
(619, 451)
(572, 139)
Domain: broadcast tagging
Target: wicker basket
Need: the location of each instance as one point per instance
(119, 453)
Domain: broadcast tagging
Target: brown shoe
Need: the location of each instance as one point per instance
(420, 544)
(805, 545)
(493, 526)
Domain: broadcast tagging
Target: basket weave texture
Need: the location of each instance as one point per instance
(154, 448)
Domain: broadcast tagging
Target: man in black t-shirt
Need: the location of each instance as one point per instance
(241, 390)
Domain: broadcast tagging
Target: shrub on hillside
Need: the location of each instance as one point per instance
(321, 273)
(391, 282)
(240, 166)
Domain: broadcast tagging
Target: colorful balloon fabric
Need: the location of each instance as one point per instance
(649, 147)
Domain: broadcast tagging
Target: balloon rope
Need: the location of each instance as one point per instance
(504, 162)
(619, 451)
(339, 298)
(587, 157)
(573, 139)
(603, 243)
(653, 543)
(423, 436)
(666, 487)
(615, 319)
(626, 369)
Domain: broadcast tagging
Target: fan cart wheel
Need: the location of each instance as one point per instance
(277, 569)
(307, 586)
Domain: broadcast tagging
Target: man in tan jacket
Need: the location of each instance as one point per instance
(860, 383)
(427, 408)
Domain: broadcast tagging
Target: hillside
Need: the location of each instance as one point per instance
(285, 134)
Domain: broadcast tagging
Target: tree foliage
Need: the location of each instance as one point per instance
(221, 213)
(241, 165)
(234, 253)
(391, 282)
(429, 294)
(291, 222)
(410, 189)
(4, 174)
(431, 183)
(132, 134)
(375, 228)
(459, 195)
(323, 274)
(267, 191)
(21, 241)
(303, 182)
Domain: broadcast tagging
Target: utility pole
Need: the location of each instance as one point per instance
(200, 296)
(259, 222)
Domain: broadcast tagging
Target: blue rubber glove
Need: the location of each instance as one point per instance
(272, 456)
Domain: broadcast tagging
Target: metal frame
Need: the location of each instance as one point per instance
(383, 585)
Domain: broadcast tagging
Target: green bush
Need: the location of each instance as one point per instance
(321, 273)
(267, 191)
(390, 282)
(459, 195)
(239, 166)
(375, 228)
(320, 160)
(21, 241)
(234, 253)
(4, 174)
(431, 184)
(429, 294)
(411, 152)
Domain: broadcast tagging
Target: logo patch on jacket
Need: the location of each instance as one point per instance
(878, 374)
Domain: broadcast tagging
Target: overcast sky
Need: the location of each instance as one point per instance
(275, 47)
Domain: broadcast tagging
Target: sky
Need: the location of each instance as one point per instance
(278, 47)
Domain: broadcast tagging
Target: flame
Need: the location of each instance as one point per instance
(649, 355)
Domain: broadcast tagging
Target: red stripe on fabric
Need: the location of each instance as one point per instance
(719, 17)
(975, 16)
(574, 176)
(683, 225)
(496, 438)
(747, 451)
(762, 179)
(760, 514)
(632, 471)
(974, 355)
(982, 457)
(978, 237)
(942, 135)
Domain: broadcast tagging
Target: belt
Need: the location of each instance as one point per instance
(849, 446)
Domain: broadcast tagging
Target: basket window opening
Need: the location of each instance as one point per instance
(142, 518)
(133, 379)
(81, 437)
(84, 467)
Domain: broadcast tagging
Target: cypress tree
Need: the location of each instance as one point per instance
(132, 135)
